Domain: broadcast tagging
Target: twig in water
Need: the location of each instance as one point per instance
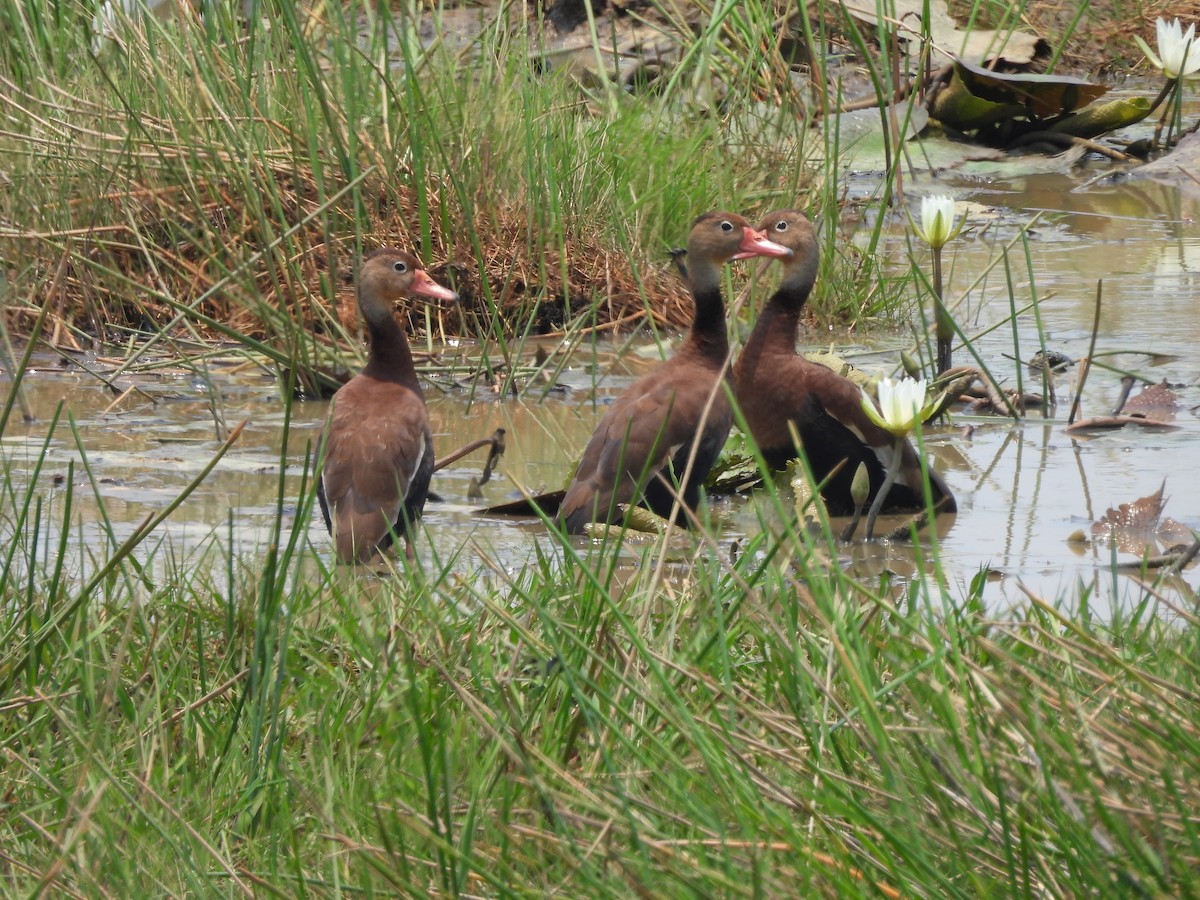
(1126, 387)
(918, 521)
(1187, 556)
(1069, 140)
(493, 457)
(1172, 562)
(496, 442)
(117, 402)
(119, 392)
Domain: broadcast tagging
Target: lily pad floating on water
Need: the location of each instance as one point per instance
(1004, 107)
(1043, 96)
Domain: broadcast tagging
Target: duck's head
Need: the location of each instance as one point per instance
(718, 237)
(388, 275)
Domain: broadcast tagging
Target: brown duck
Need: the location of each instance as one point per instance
(377, 444)
(774, 387)
(640, 450)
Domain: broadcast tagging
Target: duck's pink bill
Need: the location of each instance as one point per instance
(424, 286)
(755, 243)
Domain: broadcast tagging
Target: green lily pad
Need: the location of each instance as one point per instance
(1104, 117)
(1043, 96)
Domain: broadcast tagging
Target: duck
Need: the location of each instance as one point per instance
(641, 448)
(777, 389)
(376, 446)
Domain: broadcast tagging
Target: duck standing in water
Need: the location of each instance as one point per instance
(376, 442)
(776, 387)
(640, 450)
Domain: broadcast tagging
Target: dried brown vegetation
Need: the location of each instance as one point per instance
(160, 246)
(159, 210)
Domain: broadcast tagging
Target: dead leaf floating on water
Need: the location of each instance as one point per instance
(1135, 528)
(1137, 518)
(1154, 408)
(1112, 423)
(1156, 402)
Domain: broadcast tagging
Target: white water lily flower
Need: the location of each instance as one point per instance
(903, 404)
(937, 221)
(1178, 51)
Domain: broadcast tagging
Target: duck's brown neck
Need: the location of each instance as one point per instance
(775, 331)
(708, 337)
(389, 357)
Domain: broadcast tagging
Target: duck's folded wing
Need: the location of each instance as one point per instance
(369, 468)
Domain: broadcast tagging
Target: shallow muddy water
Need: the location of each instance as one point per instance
(1022, 488)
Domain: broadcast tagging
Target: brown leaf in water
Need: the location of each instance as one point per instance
(1156, 402)
(1141, 515)
(1133, 527)
(1172, 533)
(1111, 423)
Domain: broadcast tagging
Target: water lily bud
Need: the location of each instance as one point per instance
(860, 487)
(937, 220)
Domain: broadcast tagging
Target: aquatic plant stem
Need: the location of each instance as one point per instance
(1085, 365)
(1162, 95)
(1173, 111)
(890, 479)
(943, 325)
(848, 531)
(860, 488)
(1175, 128)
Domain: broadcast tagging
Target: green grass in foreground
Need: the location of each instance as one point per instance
(596, 725)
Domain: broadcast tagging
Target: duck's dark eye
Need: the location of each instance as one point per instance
(727, 226)
(781, 226)
(400, 267)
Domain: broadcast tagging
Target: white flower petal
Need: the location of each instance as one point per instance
(1150, 54)
(1178, 51)
(901, 405)
(937, 220)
